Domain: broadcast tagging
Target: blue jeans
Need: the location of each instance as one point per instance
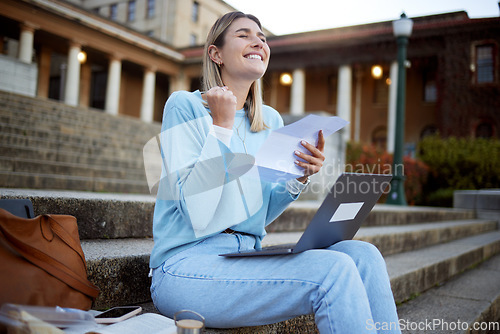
(345, 286)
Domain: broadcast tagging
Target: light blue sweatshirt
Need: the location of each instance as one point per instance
(198, 196)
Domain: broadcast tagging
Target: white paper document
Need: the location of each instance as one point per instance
(151, 323)
(276, 159)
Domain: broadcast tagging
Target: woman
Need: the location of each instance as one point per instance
(203, 210)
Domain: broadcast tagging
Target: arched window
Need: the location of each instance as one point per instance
(485, 130)
(428, 130)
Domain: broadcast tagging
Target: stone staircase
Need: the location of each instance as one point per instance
(444, 264)
(48, 145)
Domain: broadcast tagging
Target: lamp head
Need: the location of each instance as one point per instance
(402, 27)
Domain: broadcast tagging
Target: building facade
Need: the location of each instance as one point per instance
(452, 78)
(132, 66)
(179, 23)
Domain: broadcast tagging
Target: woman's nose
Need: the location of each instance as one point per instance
(258, 42)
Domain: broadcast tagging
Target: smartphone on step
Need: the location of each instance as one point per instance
(117, 314)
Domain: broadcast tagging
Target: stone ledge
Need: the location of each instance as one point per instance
(99, 215)
(486, 199)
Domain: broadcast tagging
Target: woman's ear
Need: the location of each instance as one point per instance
(214, 54)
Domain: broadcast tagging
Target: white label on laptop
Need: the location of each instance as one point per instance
(346, 211)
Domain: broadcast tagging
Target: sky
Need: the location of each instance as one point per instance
(283, 17)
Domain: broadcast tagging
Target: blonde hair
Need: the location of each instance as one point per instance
(211, 71)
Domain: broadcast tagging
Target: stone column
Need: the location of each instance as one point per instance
(391, 118)
(112, 106)
(72, 86)
(26, 43)
(148, 95)
(344, 99)
(298, 92)
(275, 82)
(179, 82)
(85, 83)
(358, 73)
(44, 72)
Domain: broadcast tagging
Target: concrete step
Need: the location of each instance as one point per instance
(71, 143)
(438, 263)
(299, 325)
(119, 267)
(49, 145)
(404, 238)
(99, 215)
(56, 155)
(15, 107)
(295, 218)
(468, 303)
(46, 123)
(34, 166)
(300, 213)
(105, 137)
(105, 131)
(78, 183)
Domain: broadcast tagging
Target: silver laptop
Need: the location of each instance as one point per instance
(339, 217)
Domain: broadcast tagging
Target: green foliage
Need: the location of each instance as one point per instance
(462, 163)
(443, 166)
(439, 197)
(367, 159)
(459, 164)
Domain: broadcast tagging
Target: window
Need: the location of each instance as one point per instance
(131, 10)
(379, 137)
(430, 88)
(192, 40)
(195, 11)
(485, 63)
(113, 11)
(150, 12)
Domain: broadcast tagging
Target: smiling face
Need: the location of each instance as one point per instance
(244, 54)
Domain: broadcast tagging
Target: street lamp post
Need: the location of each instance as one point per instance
(402, 31)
